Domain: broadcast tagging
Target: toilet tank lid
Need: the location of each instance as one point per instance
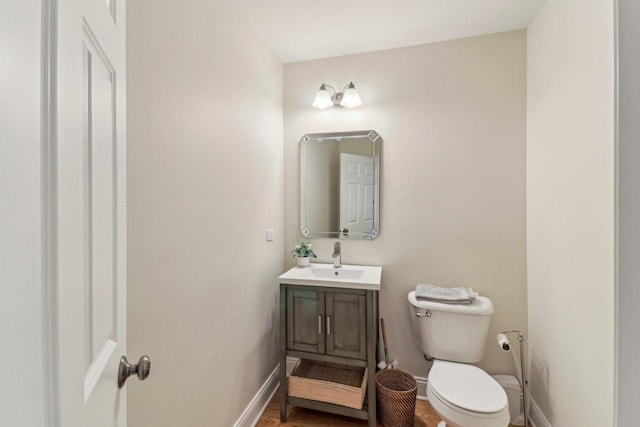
(480, 306)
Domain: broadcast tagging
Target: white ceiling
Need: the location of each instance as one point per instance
(300, 30)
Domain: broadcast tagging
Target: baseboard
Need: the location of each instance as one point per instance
(251, 415)
(536, 416)
(422, 388)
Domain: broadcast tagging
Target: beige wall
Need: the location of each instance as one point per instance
(452, 117)
(570, 211)
(205, 181)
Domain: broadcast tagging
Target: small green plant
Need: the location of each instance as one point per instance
(303, 249)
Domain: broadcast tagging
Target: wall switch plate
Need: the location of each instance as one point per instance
(270, 235)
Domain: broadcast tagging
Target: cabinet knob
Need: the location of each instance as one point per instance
(319, 324)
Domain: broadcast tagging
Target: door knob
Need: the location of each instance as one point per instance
(126, 369)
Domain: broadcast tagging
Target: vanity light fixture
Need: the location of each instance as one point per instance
(348, 98)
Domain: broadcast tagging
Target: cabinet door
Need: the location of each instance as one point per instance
(305, 320)
(346, 325)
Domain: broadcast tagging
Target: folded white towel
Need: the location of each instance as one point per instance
(445, 295)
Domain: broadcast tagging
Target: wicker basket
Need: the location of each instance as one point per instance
(396, 397)
(329, 382)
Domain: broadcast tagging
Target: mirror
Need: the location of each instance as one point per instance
(340, 185)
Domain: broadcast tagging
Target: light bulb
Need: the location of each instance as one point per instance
(351, 97)
(323, 98)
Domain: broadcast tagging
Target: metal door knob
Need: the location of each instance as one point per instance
(126, 369)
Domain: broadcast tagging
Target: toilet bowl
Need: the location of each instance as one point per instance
(466, 396)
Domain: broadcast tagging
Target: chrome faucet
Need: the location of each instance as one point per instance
(337, 258)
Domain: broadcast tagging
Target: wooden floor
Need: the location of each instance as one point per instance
(300, 417)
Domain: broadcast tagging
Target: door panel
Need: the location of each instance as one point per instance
(346, 313)
(305, 320)
(91, 173)
(100, 212)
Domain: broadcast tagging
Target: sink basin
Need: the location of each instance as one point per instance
(347, 276)
(337, 273)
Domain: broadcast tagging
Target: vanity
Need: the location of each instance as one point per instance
(330, 315)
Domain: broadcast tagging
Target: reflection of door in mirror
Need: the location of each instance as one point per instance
(356, 193)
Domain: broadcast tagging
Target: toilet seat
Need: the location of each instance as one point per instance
(465, 395)
(467, 387)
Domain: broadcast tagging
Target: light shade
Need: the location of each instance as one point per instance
(323, 98)
(350, 97)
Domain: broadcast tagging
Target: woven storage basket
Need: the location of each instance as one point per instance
(329, 382)
(396, 397)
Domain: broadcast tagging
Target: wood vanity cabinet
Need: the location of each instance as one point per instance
(329, 324)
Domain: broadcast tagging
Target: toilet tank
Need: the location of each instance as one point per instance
(455, 332)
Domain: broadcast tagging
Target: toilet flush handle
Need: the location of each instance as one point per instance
(425, 314)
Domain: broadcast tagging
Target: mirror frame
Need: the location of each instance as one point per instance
(375, 140)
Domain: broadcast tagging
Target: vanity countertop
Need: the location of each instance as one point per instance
(348, 276)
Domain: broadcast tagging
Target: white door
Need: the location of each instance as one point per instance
(357, 190)
(91, 211)
(63, 212)
(23, 394)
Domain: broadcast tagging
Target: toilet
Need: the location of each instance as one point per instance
(454, 335)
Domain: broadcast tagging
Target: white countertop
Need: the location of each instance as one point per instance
(366, 277)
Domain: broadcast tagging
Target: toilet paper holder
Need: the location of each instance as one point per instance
(505, 345)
